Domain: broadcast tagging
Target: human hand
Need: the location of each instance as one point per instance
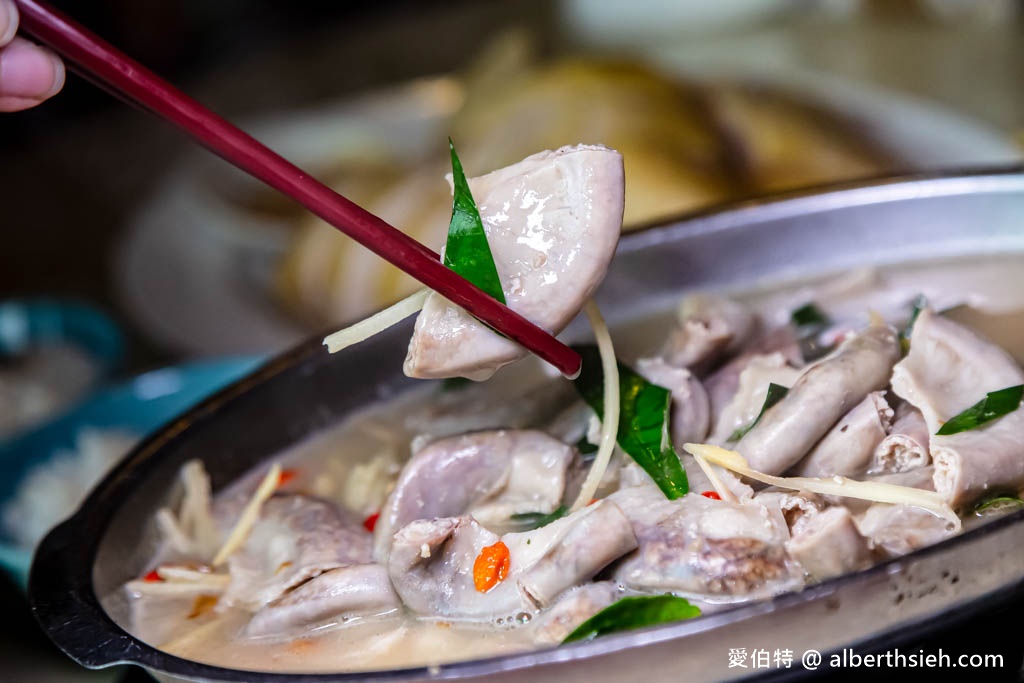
(29, 73)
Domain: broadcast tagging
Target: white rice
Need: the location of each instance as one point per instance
(53, 490)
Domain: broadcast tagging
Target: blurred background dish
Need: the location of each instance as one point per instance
(46, 472)
(52, 351)
(261, 274)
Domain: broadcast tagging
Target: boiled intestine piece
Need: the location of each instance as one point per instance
(574, 607)
(552, 222)
(723, 384)
(489, 474)
(906, 446)
(949, 369)
(336, 595)
(295, 539)
(899, 529)
(825, 392)
(847, 449)
(829, 544)
(432, 562)
(751, 388)
(797, 507)
(704, 548)
(709, 328)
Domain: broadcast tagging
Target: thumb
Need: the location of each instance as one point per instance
(29, 74)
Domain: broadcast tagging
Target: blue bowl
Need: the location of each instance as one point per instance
(137, 406)
(25, 323)
(29, 324)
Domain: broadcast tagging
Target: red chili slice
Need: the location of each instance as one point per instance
(491, 567)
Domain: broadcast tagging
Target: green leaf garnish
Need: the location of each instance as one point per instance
(920, 303)
(808, 315)
(535, 520)
(995, 404)
(585, 447)
(455, 383)
(634, 612)
(996, 504)
(810, 321)
(643, 420)
(775, 394)
(466, 251)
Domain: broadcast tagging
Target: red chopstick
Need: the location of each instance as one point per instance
(114, 70)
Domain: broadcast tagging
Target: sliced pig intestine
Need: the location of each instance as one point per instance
(723, 384)
(797, 507)
(847, 449)
(552, 222)
(829, 544)
(705, 548)
(342, 593)
(490, 474)
(295, 539)
(906, 446)
(899, 529)
(709, 328)
(819, 398)
(949, 369)
(431, 562)
(572, 609)
(751, 389)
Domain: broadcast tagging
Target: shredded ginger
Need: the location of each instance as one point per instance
(364, 329)
(875, 491)
(249, 515)
(610, 419)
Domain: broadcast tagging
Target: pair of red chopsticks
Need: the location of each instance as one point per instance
(103, 63)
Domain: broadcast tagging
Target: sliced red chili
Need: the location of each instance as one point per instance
(285, 477)
(371, 522)
(152, 577)
(711, 494)
(491, 566)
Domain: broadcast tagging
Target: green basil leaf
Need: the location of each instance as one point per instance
(466, 251)
(643, 420)
(634, 612)
(810, 321)
(811, 349)
(920, 303)
(995, 404)
(449, 384)
(996, 504)
(775, 394)
(535, 520)
(808, 315)
(585, 447)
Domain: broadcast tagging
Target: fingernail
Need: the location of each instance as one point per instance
(8, 21)
(59, 73)
(27, 70)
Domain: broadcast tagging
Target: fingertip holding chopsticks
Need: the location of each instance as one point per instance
(104, 64)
